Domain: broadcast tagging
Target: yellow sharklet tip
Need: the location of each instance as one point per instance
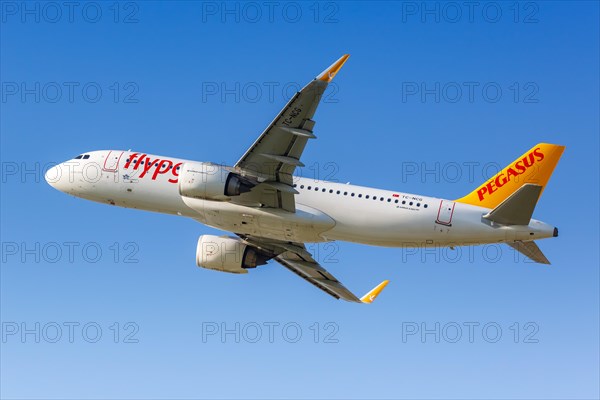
(372, 295)
(329, 73)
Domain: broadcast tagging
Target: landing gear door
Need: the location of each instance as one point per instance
(111, 163)
(445, 212)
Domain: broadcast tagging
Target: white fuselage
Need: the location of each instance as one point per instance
(325, 211)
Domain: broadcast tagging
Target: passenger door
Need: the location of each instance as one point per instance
(445, 212)
(111, 163)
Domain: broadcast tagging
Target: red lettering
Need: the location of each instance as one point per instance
(130, 160)
(501, 180)
(538, 153)
(528, 160)
(138, 162)
(511, 172)
(481, 192)
(149, 163)
(520, 167)
(175, 172)
(159, 169)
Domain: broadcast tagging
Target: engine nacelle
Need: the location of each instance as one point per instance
(227, 254)
(211, 182)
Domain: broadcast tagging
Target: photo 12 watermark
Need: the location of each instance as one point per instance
(462, 253)
(69, 92)
(470, 332)
(470, 12)
(452, 92)
(270, 12)
(69, 12)
(270, 332)
(255, 92)
(68, 252)
(35, 332)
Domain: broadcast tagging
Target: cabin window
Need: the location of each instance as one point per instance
(396, 201)
(424, 205)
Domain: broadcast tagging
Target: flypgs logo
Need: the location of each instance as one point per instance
(153, 168)
(518, 168)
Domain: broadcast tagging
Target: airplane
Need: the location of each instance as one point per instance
(273, 214)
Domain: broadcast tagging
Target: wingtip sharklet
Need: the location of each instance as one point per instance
(329, 73)
(372, 295)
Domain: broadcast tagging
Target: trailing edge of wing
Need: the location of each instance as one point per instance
(319, 277)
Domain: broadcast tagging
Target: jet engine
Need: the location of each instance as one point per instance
(211, 182)
(228, 254)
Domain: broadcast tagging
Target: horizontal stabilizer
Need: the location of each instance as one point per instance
(530, 250)
(518, 208)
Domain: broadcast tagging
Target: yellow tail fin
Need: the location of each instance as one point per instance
(535, 166)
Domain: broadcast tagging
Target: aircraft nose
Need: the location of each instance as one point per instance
(54, 177)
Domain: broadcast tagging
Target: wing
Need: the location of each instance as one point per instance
(276, 153)
(297, 259)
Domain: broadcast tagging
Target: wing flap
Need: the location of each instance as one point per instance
(319, 277)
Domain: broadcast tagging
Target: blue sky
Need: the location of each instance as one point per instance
(433, 98)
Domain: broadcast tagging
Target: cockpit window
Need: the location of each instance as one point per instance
(85, 157)
(78, 157)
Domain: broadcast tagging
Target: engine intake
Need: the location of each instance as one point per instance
(228, 254)
(211, 182)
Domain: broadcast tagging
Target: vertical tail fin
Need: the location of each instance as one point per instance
(535, 166)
